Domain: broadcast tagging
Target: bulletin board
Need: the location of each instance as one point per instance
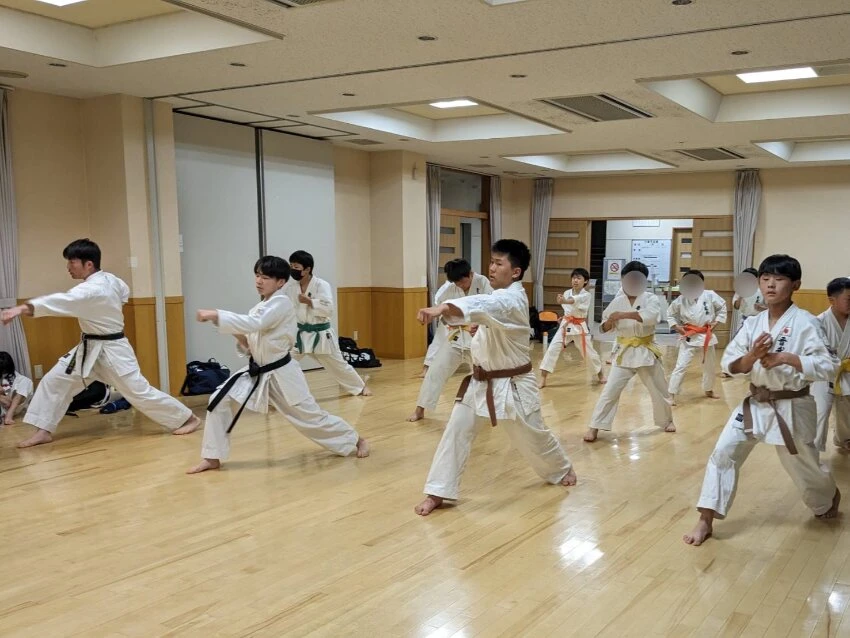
(655, 253)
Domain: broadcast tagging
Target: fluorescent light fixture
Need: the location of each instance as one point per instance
(61, 3)
(453, 104)
(800, 73)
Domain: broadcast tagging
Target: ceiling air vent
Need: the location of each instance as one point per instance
(833, 69)
(710, 154)
(289, 4)
(481, 166)
(364, 142)
(599, 108)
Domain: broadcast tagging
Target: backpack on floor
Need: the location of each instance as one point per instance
(203, 377)
(94, 395)
(358, 357)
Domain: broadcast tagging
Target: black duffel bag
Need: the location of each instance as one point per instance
(203, 377)
(358, 357)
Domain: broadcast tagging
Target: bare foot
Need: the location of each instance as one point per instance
(569, 479)
(710, 394)
(422, 374)
(700, 533)
(363, 448)
(591, 434)
(832, 512)
(671, 427)
(673, 401)
(203, 466)
(428, 505)
(542, 383)
(842, 445)
(418, 415)
(601, 378)
(192, 424)
(8, 420)
(40, 437)
(366, 391)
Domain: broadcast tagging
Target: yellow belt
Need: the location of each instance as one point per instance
(647, 342)
(456, 330)
(844, 367)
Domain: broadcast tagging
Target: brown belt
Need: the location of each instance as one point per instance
(763, 395)
(480, 374)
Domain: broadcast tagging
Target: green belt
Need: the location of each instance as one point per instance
(315, 329)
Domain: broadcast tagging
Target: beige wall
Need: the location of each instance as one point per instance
(516, 212)
(352, 177)
(166, 180)
(805, 212)
(49, 165)
(386, 219)
(414, 216)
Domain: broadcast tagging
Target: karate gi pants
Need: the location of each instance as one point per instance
(828, 403)
(440, 337)
(329, 431)
(816, 487)
(556, 347)
(686, 355)
(444, 365)
(341, 371)
(528, 434)
(652, 378)
(57, 389)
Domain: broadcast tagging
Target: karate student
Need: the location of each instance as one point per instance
(314, 303)
(15, 390)
(835, 394)
(266, 335)
(783, 352)
(753, 304)
(694, 315)
(576, 303)
(502, 385)
(462, 282)
(104, 354)
(633, 315)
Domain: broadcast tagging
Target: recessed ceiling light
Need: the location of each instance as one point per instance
(59, 64)
(682, 3)
(518, 75)
(349, 94)
(403, 139)
(453, 104)
(427, 38)
(292, 115)
(484, 157)
(740, 52)
(778, 75)
(237, 64)
(14, 75)
(61, 3)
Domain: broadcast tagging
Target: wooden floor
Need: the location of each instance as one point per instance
(101, 533)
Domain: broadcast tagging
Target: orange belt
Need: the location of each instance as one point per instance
(692, 330)
(576, 321)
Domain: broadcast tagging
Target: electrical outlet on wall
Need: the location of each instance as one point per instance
(354, 335)
(38, 371)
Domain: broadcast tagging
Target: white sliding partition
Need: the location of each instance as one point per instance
(219, 227)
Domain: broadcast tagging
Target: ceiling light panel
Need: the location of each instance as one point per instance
(60, 3)
(453, 104)
(778, 75)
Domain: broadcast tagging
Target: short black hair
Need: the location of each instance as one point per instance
(633, 266)
(837, 286)
(270, 266)
(693, 271)
(7, 365)
(782, 265)
(752, 271)
(517, 253)
(84, 250)
(582, 273)
(302, 257)
(457, 269)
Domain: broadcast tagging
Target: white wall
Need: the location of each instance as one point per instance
(475, 243)
(620, 233)
(217, 199)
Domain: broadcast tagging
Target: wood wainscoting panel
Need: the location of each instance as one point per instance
(815, 301)
(175, 331)
(415, 334)
(395, 332)
(49, 338)
(354, 314)
(140, 328)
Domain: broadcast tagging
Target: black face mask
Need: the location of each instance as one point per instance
(297, 274)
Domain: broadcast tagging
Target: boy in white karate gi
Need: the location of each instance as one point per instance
(751, 305)
(502, 385)
(15, 390)
(782, 350)
(573, 328)
(462, 282)
(266, 335)
(694, 315)
(835, 394)
(313, 300)
(634, 315)
(104, 354)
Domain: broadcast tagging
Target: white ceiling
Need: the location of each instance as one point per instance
(564, 47)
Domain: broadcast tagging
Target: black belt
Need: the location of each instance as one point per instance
(254, 370)
(85, 342)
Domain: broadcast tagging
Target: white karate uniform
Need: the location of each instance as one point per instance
(325, 348)
(480, 286)
(631, 361)
(576, 333)
(502, 342)
(455, 346)
(828, 395)
(708, 308)
(271, 329)
(97, 303)
(20, 385)
(747, 307)
(798, 332)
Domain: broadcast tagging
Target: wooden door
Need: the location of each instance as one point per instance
(680, 260)
(712, 255)
(567, 247)
(450, 246)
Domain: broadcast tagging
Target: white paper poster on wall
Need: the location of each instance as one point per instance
(655, 254)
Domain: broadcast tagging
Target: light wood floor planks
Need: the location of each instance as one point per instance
(103, 535)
